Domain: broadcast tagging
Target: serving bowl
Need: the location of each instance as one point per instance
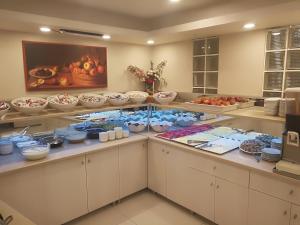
(136, 127)
(4, 108)
(137, 97)
(165, 97)
(36, 152)
(117, 99)
(160, 126)
(62, 102)
(29, 105)
(91, 100)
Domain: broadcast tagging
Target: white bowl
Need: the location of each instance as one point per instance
(160, 128)
(165, 97)
(4, 111)
(117, 99)
(36, 152)
(62, 107)
(138, 97)
(89, 104)
(27, 109)
(136, 127)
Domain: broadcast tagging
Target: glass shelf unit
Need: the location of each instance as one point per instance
(282, 60)
(206, 65)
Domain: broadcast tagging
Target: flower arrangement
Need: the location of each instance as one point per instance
(152, 78)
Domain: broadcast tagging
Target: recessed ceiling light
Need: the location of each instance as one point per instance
(45, 29)
(276, 33)
(249, 25)
(150, 42)
(106, 36)
(174, 1)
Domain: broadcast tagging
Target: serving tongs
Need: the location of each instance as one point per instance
(197, 142)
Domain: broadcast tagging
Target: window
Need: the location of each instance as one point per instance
(206, 65)
(282, 63)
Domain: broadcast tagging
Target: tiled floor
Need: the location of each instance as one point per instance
(144, 208)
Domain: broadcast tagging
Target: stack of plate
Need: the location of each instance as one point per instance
(276, 143)
(286, 106)
(271, 154)
(271, 106)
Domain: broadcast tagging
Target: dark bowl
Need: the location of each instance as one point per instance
(93, 133)
(54, 142)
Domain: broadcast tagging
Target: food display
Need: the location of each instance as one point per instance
(62, 102)
(91, 100)
(184, 131)
(117, 99)
(185, 120)
(252, 146)
(165, 97)
(138, 97)
(29, 105)
(4, 108)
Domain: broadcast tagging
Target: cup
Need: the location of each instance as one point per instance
(125, 133)
(119, 132)
(111, 135)
(103, 136)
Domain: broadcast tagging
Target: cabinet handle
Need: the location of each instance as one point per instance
(285, 212)
(88, 160)
(163, 150)
(212, 184)
(291, 192)
(295, 216)
(82, 162)
(218, 186)
(168, 152)
(214, 168)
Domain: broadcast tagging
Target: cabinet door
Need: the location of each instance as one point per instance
(157, 168)
(295, 215)
(133, 168)
(23, 190)
(102, 178)
(200, 192)
(267, 210)
(65, 190)
(231, 203)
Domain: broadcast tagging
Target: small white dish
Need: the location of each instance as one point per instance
(111, 135)
(103, 137)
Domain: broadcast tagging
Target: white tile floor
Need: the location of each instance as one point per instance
(144, 208)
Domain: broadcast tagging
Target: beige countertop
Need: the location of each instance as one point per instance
(15, 161)
(18, 219)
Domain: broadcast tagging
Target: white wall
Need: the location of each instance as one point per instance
(178, 71)
(12, 83)
(241, 64)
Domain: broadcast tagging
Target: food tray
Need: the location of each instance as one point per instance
(243, 105)
(250, 153)
(214, 109)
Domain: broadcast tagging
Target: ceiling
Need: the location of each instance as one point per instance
(135, 21)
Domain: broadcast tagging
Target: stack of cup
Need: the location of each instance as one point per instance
(271, 106)
(111, 135)
(119, 132)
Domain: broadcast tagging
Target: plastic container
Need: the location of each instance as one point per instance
(6, 147)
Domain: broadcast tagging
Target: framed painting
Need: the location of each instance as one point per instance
(63, 66)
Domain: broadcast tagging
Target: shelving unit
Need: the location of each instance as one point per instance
(282, 61)
(206, 65)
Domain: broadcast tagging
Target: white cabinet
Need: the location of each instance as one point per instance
(102, 170)
(267, 210)
(65, 190)
(231, 203)
(23, 190)
(295, 215)
(133, 168)
(157, 167)
(200, 192)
